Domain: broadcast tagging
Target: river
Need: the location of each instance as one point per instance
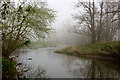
(66, 66)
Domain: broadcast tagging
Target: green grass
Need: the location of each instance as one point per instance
(108, 48)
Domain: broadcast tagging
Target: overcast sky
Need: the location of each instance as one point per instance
(64, 10)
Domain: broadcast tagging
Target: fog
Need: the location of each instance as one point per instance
(64, 22)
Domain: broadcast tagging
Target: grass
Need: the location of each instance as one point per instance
(39, 44)
(106, 48)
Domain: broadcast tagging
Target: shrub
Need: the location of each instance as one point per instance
(8, 68)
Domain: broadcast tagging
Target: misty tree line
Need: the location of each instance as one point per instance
(21, 20)
(99, 20)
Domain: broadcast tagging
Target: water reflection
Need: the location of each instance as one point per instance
(94, 69)
(65, 66)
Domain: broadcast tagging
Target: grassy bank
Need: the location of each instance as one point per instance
(39, 44)
(98, 50)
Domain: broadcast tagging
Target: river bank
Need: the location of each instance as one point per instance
(102, 51)
(39, 44)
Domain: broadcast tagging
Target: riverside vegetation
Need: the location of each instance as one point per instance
(106, 50)
(20, 22)
(40, 44)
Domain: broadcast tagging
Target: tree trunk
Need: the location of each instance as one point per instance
(100, 29)
(93, 37)
(93, 25)
(107, 30)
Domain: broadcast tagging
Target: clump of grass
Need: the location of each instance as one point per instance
(69, 50)
(106, 48)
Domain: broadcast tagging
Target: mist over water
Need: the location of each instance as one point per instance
(63, 24)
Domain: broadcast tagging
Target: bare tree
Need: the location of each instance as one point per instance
(97, 20)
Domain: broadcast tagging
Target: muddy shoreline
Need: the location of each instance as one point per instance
(96, 56)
